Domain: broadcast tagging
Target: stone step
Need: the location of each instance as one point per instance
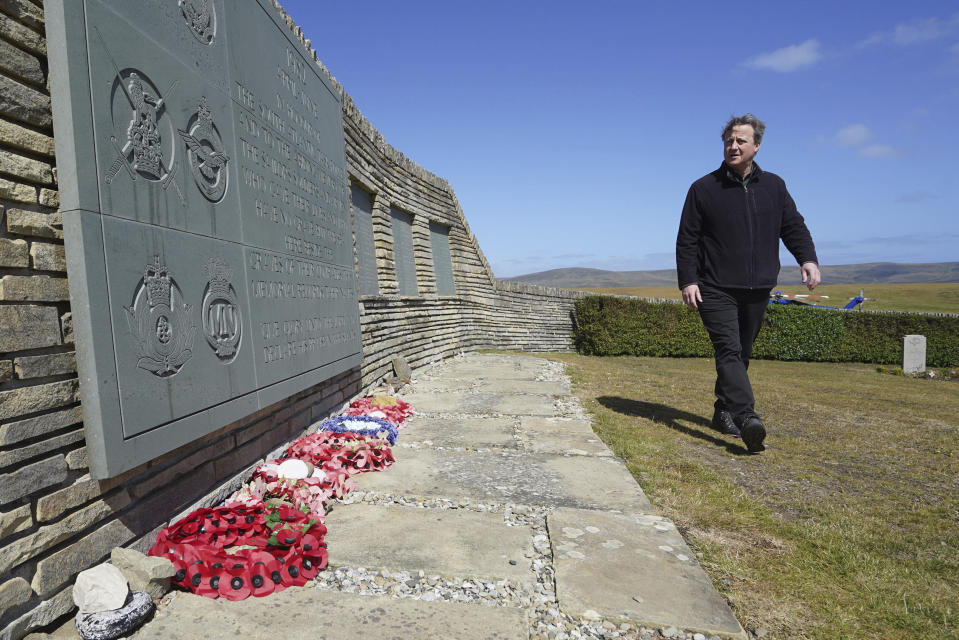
(587, 482)
(633, 567)
(436, 541)
(306, 613)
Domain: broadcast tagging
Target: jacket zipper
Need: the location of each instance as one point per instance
(749, 236)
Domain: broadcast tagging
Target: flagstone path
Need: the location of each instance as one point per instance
(504, 516)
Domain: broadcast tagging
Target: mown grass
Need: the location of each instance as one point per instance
(926, 297)
(847, 527)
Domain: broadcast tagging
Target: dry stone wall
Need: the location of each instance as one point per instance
(55, 520)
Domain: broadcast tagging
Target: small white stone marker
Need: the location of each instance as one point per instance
(914, 354)
(101, 588)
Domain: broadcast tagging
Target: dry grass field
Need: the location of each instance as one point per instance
(934, 297)
(846, 527)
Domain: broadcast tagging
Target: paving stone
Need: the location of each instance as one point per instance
(28, 327)
(460, 542)
(324, 615)
(502, 476)
(556, 435)
(451, 432)
(637, 565)
(14, 252)
(540, 387)
(489, 367)
(41, 397)
(482, 403)
(6, 370)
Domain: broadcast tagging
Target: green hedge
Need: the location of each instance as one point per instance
(610, 326)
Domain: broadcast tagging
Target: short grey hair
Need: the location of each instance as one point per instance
(759, 127)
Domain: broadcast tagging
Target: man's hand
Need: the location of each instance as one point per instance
(692, 297)
(810, 276)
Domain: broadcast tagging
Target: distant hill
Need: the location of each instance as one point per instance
(869, 273)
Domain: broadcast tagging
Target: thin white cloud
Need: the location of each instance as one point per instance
(853, 135)
(789, 58)
(920, 31)
(914, 32)
(877, 151)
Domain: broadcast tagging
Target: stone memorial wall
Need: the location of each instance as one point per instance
(235, 192)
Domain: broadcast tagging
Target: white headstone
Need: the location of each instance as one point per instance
(102, 588)
(914, 354)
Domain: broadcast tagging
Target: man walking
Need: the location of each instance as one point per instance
(727, 259)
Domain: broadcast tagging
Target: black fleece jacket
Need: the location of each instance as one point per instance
(730, 230)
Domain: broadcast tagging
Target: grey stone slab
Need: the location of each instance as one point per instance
(503, 476)
(483, 403)
(476, 433)
(559, 435)
(489, 367)
(495, 385)
(633, 565)
(311, 614)
(207, 224)
(455, 542)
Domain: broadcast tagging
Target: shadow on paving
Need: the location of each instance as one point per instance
(670, 417)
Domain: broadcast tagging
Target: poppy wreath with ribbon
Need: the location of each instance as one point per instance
(360, 425)
(348, 450)
(304, 494)
(236, 552)
(393, 410)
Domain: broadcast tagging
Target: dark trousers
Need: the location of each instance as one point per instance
(733, 318)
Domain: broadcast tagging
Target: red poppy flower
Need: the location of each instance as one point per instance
(262, 566)
(235, 582)
(291, 570)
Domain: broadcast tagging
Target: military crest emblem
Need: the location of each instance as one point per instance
(160, 322)
(200, 16)
(148, 150)
(222, 319)
(205, 151)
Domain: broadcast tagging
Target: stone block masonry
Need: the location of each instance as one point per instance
(55, 519)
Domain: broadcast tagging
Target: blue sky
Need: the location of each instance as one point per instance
(571, 131)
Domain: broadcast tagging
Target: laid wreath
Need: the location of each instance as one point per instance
(360, 425)
(236, 552)
(349, 451)
(270, 534)
(393, 410)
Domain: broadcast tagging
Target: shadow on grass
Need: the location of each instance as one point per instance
(671, 417)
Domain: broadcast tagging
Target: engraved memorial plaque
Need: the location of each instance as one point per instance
(205, 201)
